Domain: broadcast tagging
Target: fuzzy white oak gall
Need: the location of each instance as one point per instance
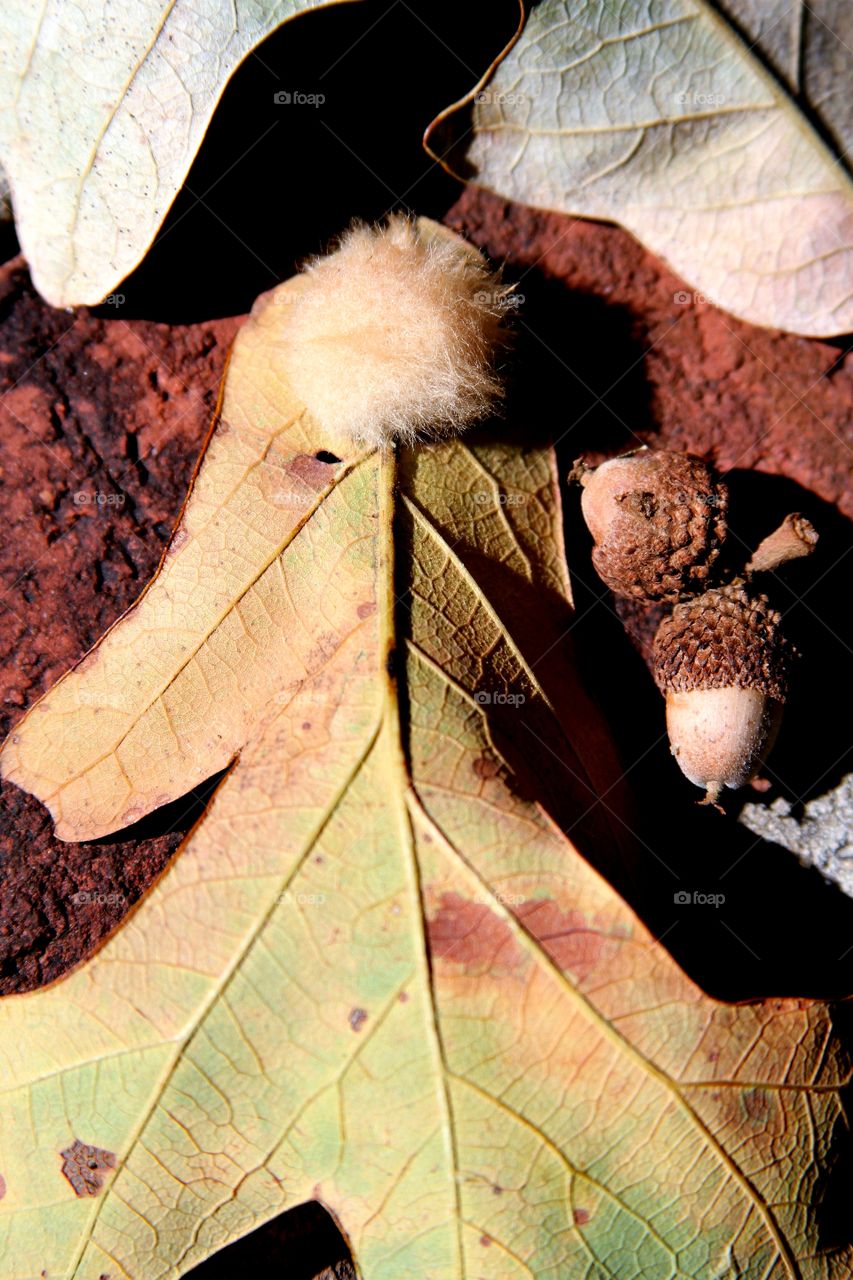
(396, 334)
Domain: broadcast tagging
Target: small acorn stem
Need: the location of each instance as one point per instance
(795, 537)
(580, 472)
(712, 794)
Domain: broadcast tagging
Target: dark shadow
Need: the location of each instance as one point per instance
(782, 929)
(297, 1245)
(9, 246)
(273, 182)
(578, 375)
(575, 373)
(814, 751)
(831, 1206)
(180, 814)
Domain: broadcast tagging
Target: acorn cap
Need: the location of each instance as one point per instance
(724, 639)
(658, 519)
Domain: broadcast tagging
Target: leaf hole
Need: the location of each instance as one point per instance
(323, 455)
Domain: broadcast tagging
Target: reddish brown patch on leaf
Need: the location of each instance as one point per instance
(366, 609)
(580, 1216)
(565, 935)
(757, 1106)
(90, 660)
(357, 1018)
(179, 537)
(485, 1241)
(486, 767)
(86, 1166)
(2, 1186)
(326, 647)
(470, 934)
(310, 470)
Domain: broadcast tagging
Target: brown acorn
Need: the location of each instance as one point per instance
(658, 519)
(723, 663)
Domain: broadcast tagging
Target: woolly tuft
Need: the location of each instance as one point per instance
(395, 333)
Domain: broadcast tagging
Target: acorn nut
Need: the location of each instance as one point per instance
(723, 663)
(658, 519)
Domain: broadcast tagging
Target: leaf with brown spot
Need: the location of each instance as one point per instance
(378, 974)
(86, 1166)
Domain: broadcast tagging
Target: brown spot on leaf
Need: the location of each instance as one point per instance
(486, 767)
(325, 647)
(367, 608)
(567, 936)
(357, 1018)
(179, 537)
(2, 1186)
(86, 1166)
(470, 934)
(310, 470)
(580, 1216)
(756, 1105)
(485, 1241)
(91, 659)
